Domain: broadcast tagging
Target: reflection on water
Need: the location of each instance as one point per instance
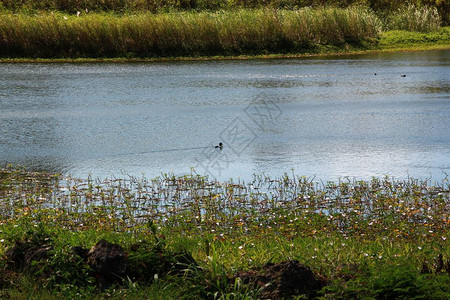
(333, 117)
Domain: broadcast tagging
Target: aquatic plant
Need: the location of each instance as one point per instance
(291, 203)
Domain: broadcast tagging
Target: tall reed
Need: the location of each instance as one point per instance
(413, 18)
(381, 7)
(157, 5)
(255, 31)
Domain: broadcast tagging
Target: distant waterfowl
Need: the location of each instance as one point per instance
(374, 73)
(403, 75)
(220, 146)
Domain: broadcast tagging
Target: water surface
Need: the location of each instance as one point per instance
(323, 117)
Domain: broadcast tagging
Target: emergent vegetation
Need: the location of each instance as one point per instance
(141, 34)
(183, 34)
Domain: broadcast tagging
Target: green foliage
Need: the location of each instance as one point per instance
(216, 282)
(148, 260)
(404, 282)
(61, 270)
(404, 38)
(57, 265)
(393, 281)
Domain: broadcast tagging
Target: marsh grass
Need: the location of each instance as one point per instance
(256, 31)
(413, 18)
(409, 208)
(206, 33)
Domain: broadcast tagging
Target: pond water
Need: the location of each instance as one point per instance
(324, 117)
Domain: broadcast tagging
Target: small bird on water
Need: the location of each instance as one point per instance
(220, 146)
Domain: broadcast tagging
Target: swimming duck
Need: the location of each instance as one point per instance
(220, 146)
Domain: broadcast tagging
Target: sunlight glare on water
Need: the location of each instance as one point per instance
(331, 117)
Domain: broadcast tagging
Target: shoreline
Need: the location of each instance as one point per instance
(385, 49)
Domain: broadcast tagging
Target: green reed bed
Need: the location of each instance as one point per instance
(412, 18)
(257, 31)
(364, 238)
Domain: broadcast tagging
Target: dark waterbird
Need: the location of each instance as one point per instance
(220, 146)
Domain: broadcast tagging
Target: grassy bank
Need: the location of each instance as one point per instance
(185, 34)
(231, 33)
(390, 41)
(396, 39)
(382, 238)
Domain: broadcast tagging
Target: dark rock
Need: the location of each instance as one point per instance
(283, 280)
(23, 253)
(109, 262)
(37, 254)
(16, 255)
(253, 277)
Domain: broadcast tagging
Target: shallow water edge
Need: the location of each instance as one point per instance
(330, 54)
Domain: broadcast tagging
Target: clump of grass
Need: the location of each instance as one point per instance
(413, 18)
(258, 31)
